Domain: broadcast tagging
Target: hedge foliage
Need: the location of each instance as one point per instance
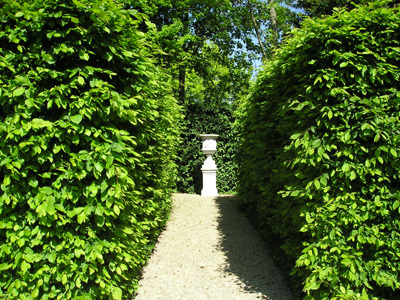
(87, 141)
(204, 117)
(319, 158)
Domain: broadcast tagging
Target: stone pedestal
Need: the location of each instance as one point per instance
(209, 167)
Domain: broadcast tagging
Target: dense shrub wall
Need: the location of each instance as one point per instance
(87, 140)
(319, 159)
(207, 118)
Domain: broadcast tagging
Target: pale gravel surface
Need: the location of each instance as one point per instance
(210, 251)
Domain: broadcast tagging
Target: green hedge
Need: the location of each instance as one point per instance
(87, 141)
(206, 118)
(319, 159)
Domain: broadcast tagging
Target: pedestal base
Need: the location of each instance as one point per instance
(209, 183)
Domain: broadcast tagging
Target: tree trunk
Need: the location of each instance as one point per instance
(274, 22)
(256, 30)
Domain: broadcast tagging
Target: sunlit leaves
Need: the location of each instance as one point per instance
(87, 142)
(321, 160)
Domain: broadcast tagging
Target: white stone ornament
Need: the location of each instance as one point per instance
(209, 167)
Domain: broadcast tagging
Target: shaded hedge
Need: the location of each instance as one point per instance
(207, 118)
(319, 159)
(87, 141)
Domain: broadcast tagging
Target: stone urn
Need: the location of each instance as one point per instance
(209, 167)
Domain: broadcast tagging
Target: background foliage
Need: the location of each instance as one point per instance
(210, 102)
(200, 118)
(211, 48)
(88, 130)
(320, 153)
(317, 8)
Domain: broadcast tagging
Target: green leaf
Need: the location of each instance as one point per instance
(19, 91)
(81, 81)
(347, 261)
(317, 184)
(314, 285)
(74, 20)
(33, 183)
(49, 207)
(65, 148)
(64, 279)
(21, 242)
(40, 123)
(117, 210)
(309, 219)
(35, 293)
(109, 56)
(25, 266)
(7, 180)
(396, 204)
(347, 136)
(81, 218)
(78, 282)
(83, 55)
(52, 257)
(332, 234)
(316, 143)
(295, 136)
(117, 293)
(99, 166)
(128, 230)
(46, 190)
(109, 161)
(76, 119)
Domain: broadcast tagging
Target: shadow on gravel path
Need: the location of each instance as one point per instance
(209, 251)
(246, 253)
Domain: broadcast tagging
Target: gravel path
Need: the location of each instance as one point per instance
(210, 251)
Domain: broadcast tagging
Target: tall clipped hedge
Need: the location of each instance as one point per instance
(87, 136)
(207, 118)
(319, 159)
